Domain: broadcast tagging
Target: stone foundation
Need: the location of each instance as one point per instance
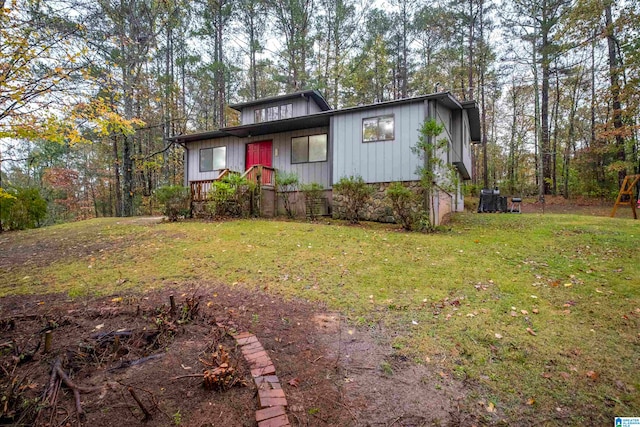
(379, 208)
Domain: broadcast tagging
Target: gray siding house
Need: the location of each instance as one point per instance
(299, 132)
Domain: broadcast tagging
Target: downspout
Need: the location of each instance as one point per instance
(186, 165)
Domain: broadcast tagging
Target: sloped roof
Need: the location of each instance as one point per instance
(317, 97)
(322, 118)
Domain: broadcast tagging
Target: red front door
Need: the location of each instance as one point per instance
(259, 153)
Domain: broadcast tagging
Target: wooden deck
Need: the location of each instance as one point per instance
(262, 175)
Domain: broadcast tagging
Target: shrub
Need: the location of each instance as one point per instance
(312, 196)
(355, 193)
(403, 202)
(233, 195)
(287, 184)
(21, 208)
(175, 200)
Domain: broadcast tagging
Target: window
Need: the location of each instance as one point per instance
(378, 128)
(286, 111)
(273, 113)
(213, 159)
(309, 149)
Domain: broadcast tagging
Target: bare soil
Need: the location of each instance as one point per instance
(333, 374)
(580, 206)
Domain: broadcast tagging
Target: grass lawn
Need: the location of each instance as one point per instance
(539, 314)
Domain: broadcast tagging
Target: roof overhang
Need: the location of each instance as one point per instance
(314, 94)
(474, 120)
(445, 98)
(244, 131)
(462, 169)
(322, 118)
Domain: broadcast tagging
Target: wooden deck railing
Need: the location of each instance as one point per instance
(266, 175)
(200, 189)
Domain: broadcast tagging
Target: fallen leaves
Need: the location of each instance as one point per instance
(498, 336)
(294, 382)
(593, 375)
(531, 332)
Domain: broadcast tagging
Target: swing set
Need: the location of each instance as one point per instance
(625, 196)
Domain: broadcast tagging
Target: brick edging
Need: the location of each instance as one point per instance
(270, 394)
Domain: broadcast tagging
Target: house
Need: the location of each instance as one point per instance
(299, 132)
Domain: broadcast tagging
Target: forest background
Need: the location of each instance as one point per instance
(92, 92)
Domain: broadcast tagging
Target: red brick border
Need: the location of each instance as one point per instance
(270, 394)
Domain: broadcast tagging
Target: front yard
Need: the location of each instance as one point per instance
(535, 316)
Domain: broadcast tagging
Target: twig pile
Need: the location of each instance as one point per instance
(219, 375)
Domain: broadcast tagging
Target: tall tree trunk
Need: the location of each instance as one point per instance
(405, 52)
(554, 149)
(593, 89)
(252, 57)
(545, 144)
(116, 177)
(483, 107)
(471, 57)
(614, 77)
(220, 71)
(168, 81)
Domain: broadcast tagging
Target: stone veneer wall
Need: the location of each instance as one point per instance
(378, 209)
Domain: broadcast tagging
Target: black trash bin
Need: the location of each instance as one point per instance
(502, 203)
(488, 200)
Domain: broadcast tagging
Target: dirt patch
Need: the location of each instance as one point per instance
(560, 205)
(387, 388)
(332, 374)
(84, 334)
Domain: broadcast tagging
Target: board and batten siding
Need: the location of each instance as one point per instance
(466, 141)
(445, 117)
(381, 161)
(302, 106)
(281, 155)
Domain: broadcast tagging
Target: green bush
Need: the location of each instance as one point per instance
(404, 204)
(312, 196)
(21, 208)
(233, 196)
(175, 199)
(287, 183)
(355, 193)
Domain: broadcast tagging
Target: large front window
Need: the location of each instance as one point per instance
(309, 149)
(378, 128)
(213, 159)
